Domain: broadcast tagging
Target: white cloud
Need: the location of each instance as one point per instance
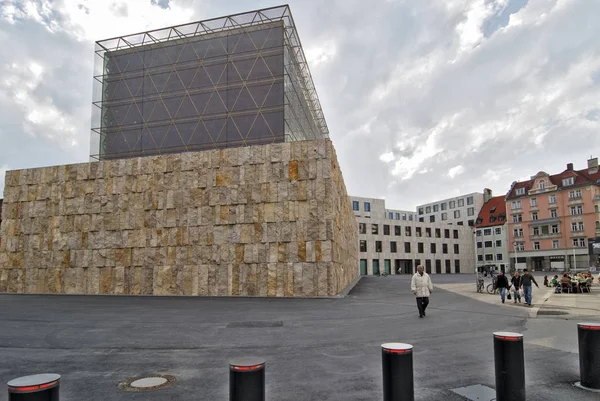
(320, 54)
(455, 171)
(387, 157)
(3, 170)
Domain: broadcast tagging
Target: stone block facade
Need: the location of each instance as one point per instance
(270, 220)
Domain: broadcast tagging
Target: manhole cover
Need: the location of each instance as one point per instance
(147, 383)
(255, 324)
(551, 312)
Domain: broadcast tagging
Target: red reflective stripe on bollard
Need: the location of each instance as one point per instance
(507, 338)
(590, 327)
(398, 351)
(247, 368)
(31, 388)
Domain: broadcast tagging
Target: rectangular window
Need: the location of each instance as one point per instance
(536, 245)
(393, 247)
(479, 232)
(407, 247)
(367, 207)
(410, 217)
(362, 228)
(536, 231)
(553, 213)
(461, 202)
(418, 232)
(471, 211)
(390, 215)
(355, 205)
(578, 242)
(363, 246)
(470, 200)
(487, 231)
(386, 229)
(520, 246)
(397, 230)
(456, 249)
(533, 202)
(428, 209)
(436, 208)
(498, 256)
(534, 216)
(407, 231)
(498, 230)
(432, 248)
(375, 229)
(404, 216)
(428, 232)
(452, 204)
(576, 194)
(516, 205)
(455, 234)
(489, 257)
(457, 266)
(488, 244)
(432, 218)
(555, 244)
(480, 258)
(554, 229)
(518, 232)
(397, 216)
(520, 191)
(420, 247)
(479, 244)
(444, 216)
(420, 211)
(575, 210)
(444, 248)
(378, 246)
(517, 218)
(457, 214)
(438, 233)
(498, 243)
(552, 199)
(448, 267)
(421, 220)
(446, 233)
(443, 206)
(568, 181)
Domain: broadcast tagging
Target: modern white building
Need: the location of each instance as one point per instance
(491, 235)
(395, 242)
(460, 210)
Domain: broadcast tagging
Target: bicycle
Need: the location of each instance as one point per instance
(480, 284)
(491, 288)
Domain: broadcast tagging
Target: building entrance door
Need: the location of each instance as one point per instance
(387, 265)
(376, 267)
(397, 267)
(363, 267)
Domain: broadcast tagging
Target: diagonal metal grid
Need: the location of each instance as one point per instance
(232, 81)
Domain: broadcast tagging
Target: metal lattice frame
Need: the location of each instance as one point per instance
(297, 70)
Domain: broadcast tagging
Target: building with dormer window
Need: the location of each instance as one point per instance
(491, 234)
(554, 220)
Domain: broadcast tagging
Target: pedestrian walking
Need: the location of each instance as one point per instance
(422, 287)
(526, 281)
(502, 285)
(516, 285)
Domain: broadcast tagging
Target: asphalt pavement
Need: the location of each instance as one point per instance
(316, 349)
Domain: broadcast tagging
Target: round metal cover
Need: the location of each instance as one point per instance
(147, 383)
(397, 346)
(34, 380)
(247, 361)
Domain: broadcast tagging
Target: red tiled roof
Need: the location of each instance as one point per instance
(493, 208)
(582, 177)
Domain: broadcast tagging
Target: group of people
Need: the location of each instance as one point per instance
(577, 282)
(519, 285)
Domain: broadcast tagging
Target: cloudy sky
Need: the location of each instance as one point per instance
(424, 99)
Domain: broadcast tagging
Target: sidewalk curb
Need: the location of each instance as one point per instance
(534, 311)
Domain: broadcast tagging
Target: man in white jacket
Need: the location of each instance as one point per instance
(422, 287)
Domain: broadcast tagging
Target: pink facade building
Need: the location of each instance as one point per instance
(554, 220)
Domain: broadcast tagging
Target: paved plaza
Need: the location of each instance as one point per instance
(316, 349)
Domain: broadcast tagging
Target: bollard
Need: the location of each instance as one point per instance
(43, 387)
(510, 366)
(398, 381)
(247, 379)
(589, 354)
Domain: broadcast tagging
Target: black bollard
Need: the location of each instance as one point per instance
(247, 379)
(398, 381)
(589, 354)
(510, 366)
(43, 387)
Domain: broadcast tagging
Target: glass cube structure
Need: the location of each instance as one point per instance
(232, 81)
